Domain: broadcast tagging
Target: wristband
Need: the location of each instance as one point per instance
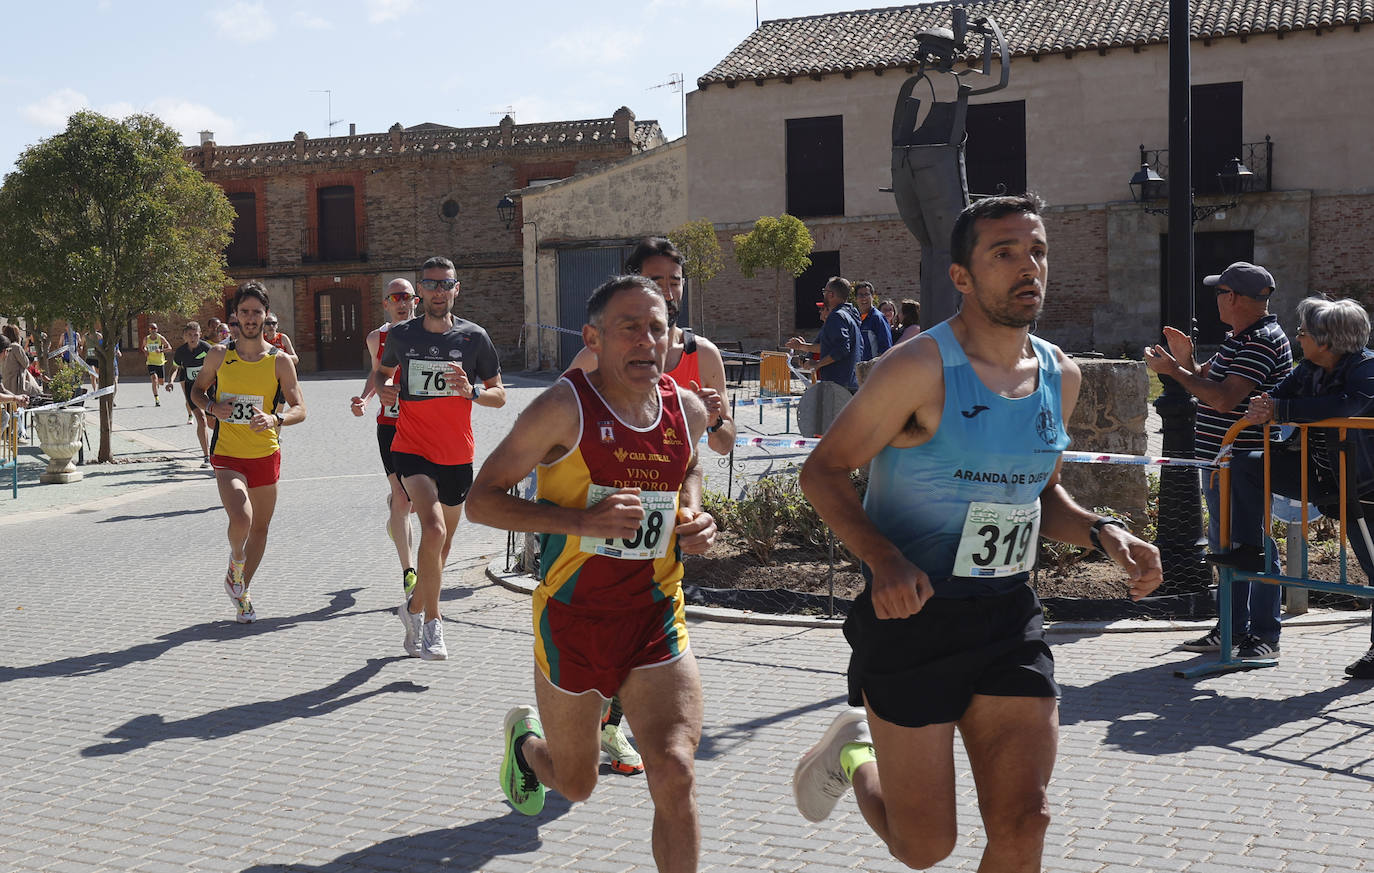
(1094, 532)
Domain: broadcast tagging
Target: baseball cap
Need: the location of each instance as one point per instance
(1245, 278)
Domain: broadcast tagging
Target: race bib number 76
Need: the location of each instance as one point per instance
(655, 530)
(998, 539)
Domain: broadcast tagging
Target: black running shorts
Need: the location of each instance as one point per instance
(385, 434)
(452, 481)
(925, 669)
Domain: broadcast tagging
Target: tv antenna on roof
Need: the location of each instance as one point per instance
(509, 110)
(329, 118)
(675, 82)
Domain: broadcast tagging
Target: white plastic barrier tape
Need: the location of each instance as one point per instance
(1069, 457)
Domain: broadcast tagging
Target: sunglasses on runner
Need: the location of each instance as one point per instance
(431, 284)
(399, 297)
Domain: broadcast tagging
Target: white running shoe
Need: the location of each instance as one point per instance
(413, 625)
(819, 781)
(432, 646)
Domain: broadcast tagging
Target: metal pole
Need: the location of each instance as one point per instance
(1180, 512)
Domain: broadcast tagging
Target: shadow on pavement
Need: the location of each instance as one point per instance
(716, 742)
(173, 514)
(210, 631)
(1151, 712)
(457, 849)
(144, 730)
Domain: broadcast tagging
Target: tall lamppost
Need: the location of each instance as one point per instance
(505, 209)
(1179, 537)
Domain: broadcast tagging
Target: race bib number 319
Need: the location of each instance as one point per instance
(998, 539)
(655, 529)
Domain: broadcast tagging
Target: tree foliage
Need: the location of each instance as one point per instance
(699, 244)
(780, 244)
(105, 221)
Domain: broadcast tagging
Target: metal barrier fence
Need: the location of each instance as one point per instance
(1228, 661)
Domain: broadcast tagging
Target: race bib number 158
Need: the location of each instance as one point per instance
(655, 529)
(998, 539)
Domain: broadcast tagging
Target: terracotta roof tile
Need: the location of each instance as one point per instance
(869, 39)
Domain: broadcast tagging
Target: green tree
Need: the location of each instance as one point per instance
(781, 243)
(699, 244)
(105, 221)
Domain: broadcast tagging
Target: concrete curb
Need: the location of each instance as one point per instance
(523, 583)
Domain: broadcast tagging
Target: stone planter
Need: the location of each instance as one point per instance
(59, 435)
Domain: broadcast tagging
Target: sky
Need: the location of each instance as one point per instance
(256, 70)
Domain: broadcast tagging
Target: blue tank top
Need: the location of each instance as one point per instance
(988, 448)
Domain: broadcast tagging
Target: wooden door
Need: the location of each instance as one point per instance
(338, 336)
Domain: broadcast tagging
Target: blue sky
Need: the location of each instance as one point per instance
(249, 69)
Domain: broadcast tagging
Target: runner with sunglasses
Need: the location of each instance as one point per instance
(439, 366)
(399, 304)
(279, 339)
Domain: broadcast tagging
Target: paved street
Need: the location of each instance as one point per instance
(142, 730)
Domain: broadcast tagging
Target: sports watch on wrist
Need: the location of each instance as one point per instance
(476, 391)
(1094, 532)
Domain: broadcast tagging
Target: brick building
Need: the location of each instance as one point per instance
(798, 119)
(324, 224)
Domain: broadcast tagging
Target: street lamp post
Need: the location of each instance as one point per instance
(505, 210)
(1180, 537)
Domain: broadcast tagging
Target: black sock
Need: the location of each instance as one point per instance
(407, 570)
(616, 713)
(520, 753)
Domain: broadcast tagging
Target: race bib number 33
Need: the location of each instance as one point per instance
(998, 539)
(655, 529)
(243, 406)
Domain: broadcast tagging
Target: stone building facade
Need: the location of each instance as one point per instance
(1279, 81)
(326, 223)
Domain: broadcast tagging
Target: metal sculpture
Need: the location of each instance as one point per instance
(928, 178)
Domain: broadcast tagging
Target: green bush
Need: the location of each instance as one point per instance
(67, 383)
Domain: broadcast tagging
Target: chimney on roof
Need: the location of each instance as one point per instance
(624, 121)
(207, 136)
(395, 131)
(507, 131)
(300, 144)
(352, 129)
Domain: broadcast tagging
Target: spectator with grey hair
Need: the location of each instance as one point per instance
(1335, 379)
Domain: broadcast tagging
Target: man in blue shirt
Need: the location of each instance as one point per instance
(877, 332)
(840, 343)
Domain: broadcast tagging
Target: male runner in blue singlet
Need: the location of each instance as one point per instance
(947, 634)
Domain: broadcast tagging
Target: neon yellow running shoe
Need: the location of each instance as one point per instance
(522, 788)
(408, 580)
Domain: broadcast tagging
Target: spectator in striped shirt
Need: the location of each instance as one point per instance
(1253, 360)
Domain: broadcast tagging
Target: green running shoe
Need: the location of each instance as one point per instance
(408, 580)
(522, 789)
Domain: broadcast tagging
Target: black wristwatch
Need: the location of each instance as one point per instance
(476, 391)
(720, 423)
(281, 419)
(1094, 532)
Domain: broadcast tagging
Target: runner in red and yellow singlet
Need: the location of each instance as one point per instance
(619, 503)
(694, 363)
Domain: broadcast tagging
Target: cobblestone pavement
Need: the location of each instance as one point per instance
(142, 730)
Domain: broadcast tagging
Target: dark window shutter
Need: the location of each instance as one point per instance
(815, 166)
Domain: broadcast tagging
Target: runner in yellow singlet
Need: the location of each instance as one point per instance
(155, 346)
(252, 380)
